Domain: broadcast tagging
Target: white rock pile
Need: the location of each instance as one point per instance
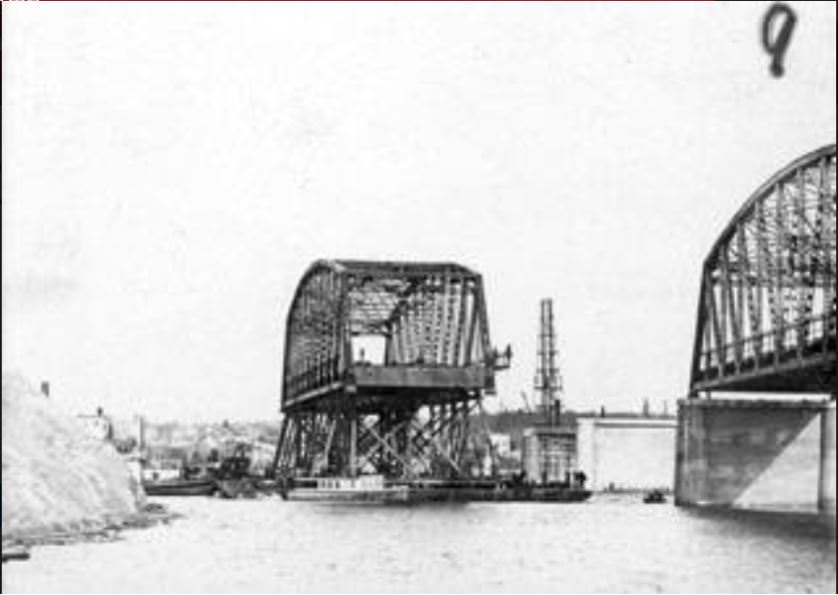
(56, 479)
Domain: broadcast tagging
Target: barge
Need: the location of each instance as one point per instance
(375, 489)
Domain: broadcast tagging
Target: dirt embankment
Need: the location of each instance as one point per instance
(58, 481)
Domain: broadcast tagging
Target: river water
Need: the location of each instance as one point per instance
(608, 544)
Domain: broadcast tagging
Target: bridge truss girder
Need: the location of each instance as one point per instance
(426, 314)
(407, 415)
(767, 311)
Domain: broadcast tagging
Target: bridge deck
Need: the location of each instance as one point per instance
(809, 369)
(396, 377)
(380, 384)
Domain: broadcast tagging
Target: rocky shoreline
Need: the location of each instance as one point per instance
(17, 546)
(102, 530)
(59, 484)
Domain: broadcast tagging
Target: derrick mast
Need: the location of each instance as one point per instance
(548, 380)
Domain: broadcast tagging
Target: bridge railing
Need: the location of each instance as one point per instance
(315, 376)
(801, 335)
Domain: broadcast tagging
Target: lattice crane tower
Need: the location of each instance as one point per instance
(548, 380)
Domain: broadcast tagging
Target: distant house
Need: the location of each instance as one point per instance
(157, 454)
(501, 443)
(98, 426)
(206, 446)
(262, 456)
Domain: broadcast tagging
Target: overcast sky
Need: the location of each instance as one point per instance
(170, 170)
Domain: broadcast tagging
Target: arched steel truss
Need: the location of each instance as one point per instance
(405, 410)
(767, 311)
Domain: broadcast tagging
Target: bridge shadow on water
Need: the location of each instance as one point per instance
(768, 524)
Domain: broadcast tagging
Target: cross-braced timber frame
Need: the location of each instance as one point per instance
(767, 308)
(406, 415)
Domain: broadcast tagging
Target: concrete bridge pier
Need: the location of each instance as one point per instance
(756, 454)
(826, 483)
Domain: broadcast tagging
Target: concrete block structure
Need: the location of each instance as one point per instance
(826, 474)
(627, 453)
(756, 454)
(548, 453)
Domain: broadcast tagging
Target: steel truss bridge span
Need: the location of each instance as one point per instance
(385, 364)
(767, 309)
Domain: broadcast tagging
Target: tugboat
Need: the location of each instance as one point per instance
(232, 477)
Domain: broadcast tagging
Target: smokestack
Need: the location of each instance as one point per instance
(140, 432)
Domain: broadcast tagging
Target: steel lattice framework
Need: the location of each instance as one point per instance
(767, 310)
(405, 411)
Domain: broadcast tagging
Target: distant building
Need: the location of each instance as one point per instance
(627, 453)
(501, 443)
(98, 426)
(549, 452)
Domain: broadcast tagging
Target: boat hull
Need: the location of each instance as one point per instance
(236, 488)
(412, 494)
(186, 487)
(384, 495)
(654, 497)
(524, 494)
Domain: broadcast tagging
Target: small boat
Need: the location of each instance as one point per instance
(654, 497)
(169, 477)
(15, 553)
(180, 487)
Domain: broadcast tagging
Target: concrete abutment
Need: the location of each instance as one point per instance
(756, 454)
